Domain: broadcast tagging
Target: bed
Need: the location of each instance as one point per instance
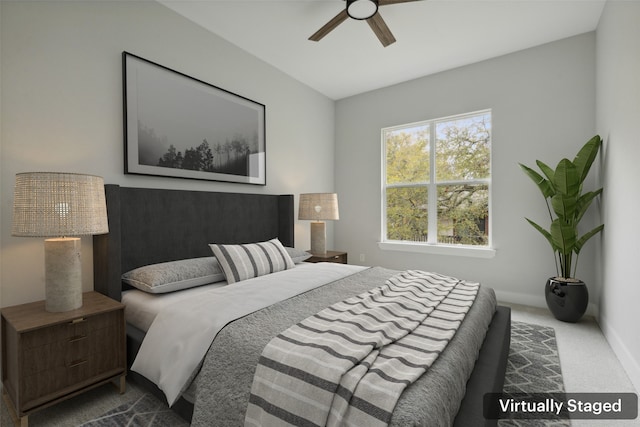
(151, 226)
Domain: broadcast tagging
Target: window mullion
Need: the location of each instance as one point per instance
(432, 193)
(408, 185)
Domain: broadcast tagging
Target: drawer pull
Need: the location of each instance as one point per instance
(77, 363)
(80, 320)
(77, 338)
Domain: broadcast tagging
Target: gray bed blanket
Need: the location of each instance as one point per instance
(222, 388)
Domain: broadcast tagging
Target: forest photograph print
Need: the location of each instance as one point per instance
(178, 126)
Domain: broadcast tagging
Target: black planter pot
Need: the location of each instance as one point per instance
(567, 300)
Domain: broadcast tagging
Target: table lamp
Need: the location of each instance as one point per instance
(60, 206)
(318, 207)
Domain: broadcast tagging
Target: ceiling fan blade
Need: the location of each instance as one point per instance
(388, 2)
(381, 30)
(329, 26)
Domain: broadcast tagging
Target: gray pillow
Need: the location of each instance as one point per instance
(175, 275)
(297, 255)
(241, 262)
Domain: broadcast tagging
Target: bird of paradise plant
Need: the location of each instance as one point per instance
(567, 204)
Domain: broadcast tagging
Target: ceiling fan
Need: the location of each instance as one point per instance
(362, 10)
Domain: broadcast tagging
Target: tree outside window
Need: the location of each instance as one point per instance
(437, 176)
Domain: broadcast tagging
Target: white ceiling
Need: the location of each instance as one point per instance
(432, 35)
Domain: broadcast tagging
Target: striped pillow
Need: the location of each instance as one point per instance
(241, 262)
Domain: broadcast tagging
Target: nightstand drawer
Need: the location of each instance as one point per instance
(66, 352)
(330, 256)
(76, 328)
(39, 386)
(340, 259)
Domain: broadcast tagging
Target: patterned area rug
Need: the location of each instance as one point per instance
(146, 411)
(533, 366)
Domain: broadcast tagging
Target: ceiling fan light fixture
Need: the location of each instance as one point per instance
(362, 9)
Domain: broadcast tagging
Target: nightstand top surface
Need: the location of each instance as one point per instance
(328, 254)
(25, 317)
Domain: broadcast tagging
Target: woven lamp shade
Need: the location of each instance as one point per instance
(318, 206)
(52, 204)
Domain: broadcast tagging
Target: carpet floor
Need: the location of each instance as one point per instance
(533, 366)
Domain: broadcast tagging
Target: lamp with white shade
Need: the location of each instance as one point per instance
(60, 206)
(318, 207)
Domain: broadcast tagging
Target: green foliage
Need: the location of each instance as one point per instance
(567, 204)
(462, 211)
(408, 156)
(407, 213)
(463, 149)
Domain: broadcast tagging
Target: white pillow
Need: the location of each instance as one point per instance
(175, 275)
(241, 262)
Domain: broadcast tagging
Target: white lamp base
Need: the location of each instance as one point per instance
(318, 238)
(63, 274)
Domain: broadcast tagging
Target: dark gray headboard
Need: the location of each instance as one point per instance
(148, 226)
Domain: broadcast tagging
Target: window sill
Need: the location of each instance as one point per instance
(426, 248)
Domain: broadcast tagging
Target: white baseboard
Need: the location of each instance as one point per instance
(536, 301)
(522, 299)
(629, 362)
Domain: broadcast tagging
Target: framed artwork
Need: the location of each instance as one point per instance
(181, 127)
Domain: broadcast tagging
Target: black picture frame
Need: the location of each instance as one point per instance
(181, 127)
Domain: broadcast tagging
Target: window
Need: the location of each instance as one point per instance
(436, 181)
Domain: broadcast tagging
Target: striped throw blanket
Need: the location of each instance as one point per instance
(348, 364)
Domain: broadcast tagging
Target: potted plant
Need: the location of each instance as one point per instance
(566, 296)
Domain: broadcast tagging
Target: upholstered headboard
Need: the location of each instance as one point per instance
(148, 226)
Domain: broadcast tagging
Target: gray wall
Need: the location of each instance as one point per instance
(618, 112)
(543, 104)
(62, 110)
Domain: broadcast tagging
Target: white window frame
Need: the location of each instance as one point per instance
(432, 246)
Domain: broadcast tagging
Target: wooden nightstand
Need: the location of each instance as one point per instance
(50, 357)
(331, 256)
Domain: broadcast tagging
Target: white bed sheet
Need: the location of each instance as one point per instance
(141, 308)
